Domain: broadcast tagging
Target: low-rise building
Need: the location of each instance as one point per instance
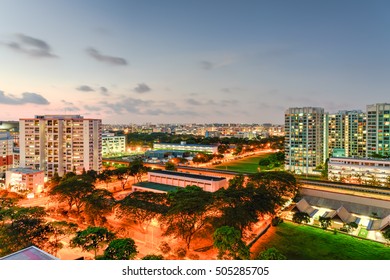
(180, 179)
(359, 171)
(25, 180)
(183, 146)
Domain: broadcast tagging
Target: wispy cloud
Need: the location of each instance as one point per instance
(210, 102)
(69, 106)
(104, 91)
(113, 60)
(142, 88)
(27, 97)
(84, 88)
(92, 108)
(147, 107)
(31, 46)
(206, 65)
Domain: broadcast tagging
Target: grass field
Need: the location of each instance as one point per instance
(363, 233)
(245, 165)
(298, 242)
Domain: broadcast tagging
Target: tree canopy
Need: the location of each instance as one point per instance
(229, 244)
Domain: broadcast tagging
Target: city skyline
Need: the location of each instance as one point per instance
(192, 61)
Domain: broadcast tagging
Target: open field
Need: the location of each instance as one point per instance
(299, 242)
(245, 165)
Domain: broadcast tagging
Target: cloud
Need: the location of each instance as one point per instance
(104, 91)
(142, 88)
(106, 58)
(206, 65)
(92, 108)
(146, 107)
(31, 46)
(84, 88)
(67, 103)
(27, 97)
(194, 102)
(219, 103)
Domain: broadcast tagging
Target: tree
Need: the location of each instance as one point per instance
(98, 204)
(271, 254)
(153, 257)
(73, 191)
(325, 222)
(170, 166)
(105, 176)
(138, 169)
(59, 230)
(301, 217)
(142, 207)
(121, 249)
(123, 175)
(386, 234)
(229, 244)
(223, 148)
(92, 238)
(279, 186)
(23, 227)
(350, 226)
(188, 212)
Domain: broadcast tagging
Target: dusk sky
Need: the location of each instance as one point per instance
(183, 61)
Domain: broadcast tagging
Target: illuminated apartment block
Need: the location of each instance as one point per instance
(112, 145)
(378, 129)
(6, 152)
(304, 139)
(345, 133)
(60, 143)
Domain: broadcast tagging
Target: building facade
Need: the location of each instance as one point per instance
(304, 139)
(359, 171)
(61, 143)
(180, 179)
(6, 152)
(378, 129)
(113, 145)
(345, 132)
(25, 180)
(183, 146)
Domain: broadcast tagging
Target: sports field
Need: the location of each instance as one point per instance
(299, 242)
(245, 165)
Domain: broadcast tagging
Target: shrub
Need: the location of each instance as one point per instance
(164, 247)
(181, 252)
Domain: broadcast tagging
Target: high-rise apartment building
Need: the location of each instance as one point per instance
(6, 152)
(345, 131)
(378, 129)
(61, 143)
(304, 139)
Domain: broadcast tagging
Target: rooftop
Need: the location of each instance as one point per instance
(188, 175)
(29, 253)
(25, 170)
(155, 186)
(186, 145)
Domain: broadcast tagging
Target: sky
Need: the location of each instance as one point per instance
(191, 61)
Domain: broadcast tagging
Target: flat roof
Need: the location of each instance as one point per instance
(188, 175)
(155, 186)
(186, 145)
(25, 170)
(30, 253)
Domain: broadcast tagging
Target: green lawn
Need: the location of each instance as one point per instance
(299, 242)
(363, 233)
(245, 165)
